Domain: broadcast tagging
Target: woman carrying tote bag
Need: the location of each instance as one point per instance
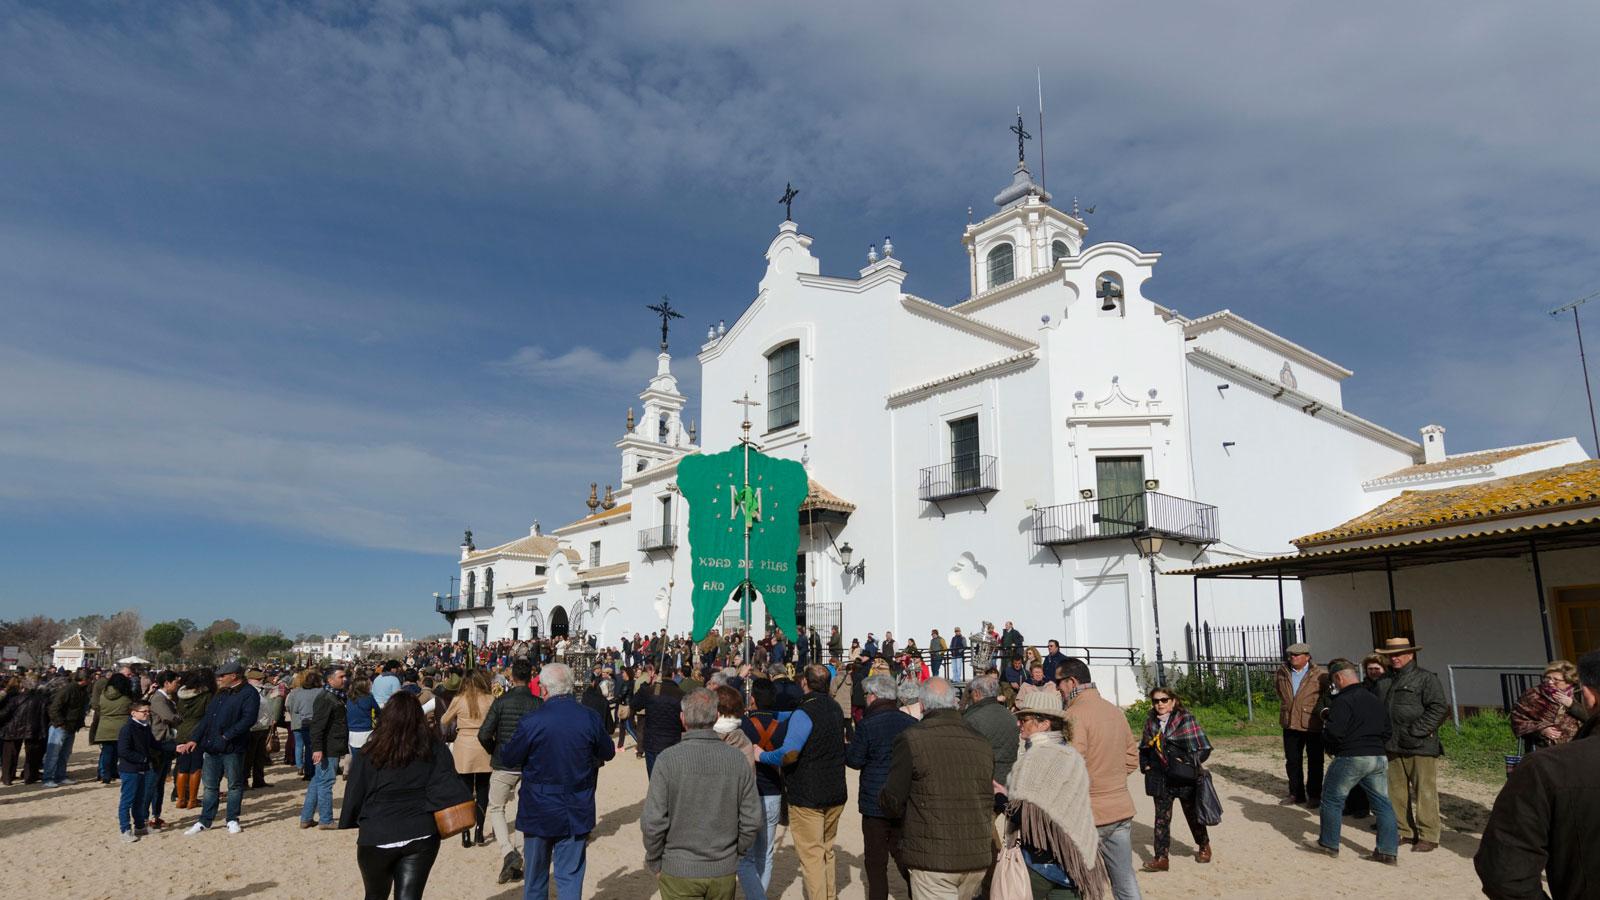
(1171, 752)
(400, 780)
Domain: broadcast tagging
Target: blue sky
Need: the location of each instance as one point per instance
(292, 293)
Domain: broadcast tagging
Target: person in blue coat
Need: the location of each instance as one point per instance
(222, 736)
(560, 748)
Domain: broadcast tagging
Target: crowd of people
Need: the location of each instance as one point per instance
(1012, 783)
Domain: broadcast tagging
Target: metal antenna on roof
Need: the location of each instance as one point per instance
(1594, 433)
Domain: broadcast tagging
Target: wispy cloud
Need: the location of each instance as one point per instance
(585, 368)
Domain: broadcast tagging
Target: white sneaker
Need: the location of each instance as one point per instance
(129, 837)
(194, 829)
(233, 828)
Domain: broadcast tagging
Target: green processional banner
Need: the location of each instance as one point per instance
(733, 496)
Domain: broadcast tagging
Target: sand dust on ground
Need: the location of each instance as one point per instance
(63, 843)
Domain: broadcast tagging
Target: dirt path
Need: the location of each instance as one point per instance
(63, 843)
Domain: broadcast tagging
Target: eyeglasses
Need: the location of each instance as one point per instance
(1161, 700)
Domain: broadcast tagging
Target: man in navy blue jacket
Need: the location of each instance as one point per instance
(560, 748)
(871, 752)
(223, 735)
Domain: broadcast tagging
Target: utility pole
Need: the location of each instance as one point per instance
(1594, 432)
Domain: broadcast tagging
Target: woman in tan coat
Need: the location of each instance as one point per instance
(465, 715)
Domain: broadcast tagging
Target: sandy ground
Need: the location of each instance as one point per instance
(63, 843)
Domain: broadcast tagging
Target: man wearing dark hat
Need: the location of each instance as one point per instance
(1301, 684)
(1417, 707)
(1357, 731)
(223, 735)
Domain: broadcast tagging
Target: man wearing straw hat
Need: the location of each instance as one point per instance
(1417, 707)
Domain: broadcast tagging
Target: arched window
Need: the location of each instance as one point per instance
(472, 588)
(783, 386)
(1058, 252)
(488, 587)
(1000, 267)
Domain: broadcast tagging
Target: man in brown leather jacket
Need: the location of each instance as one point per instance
(1301, 685)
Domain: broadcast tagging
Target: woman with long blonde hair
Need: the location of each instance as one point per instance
(466, 713)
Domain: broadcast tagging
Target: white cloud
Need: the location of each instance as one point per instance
(587, 369)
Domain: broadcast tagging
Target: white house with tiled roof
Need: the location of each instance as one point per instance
(74, 651)
(992, 458)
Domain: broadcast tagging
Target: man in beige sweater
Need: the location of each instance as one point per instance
(1101, 734)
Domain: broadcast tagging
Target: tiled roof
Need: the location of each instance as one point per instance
(526, 587)
(819, 497)
(539, 545)
(1482, 458)
(1562, 487)
(618, 510)
(76, 641)
(614, 569)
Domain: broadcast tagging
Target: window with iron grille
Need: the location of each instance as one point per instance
(594, 553)
(964, 472)
(783, 386)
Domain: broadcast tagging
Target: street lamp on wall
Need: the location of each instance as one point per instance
(857, 571)
(1149, 545)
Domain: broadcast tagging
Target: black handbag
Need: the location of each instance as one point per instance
(1208, 806)
(1181, 769)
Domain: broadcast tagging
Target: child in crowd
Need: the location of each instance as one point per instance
(135, 747)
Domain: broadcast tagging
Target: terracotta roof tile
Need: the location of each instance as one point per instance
(540, 545)
(1562, 487)
(1465, 461)
(819, 497)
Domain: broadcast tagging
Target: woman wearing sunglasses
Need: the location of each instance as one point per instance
(1170, 753)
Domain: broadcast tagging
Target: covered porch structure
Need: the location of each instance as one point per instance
(1517, 594)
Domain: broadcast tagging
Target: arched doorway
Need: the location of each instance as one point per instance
(558, 623)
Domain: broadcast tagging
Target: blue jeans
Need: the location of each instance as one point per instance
(212, 770)
(160, 767)
(1342, 777)
(570, 855)
(319, 793)
(57, 749)
(1116, 852)
(135, 790)
(958, 669)
(649, 763)
(755, 867)
(302, 750)
(107, 770)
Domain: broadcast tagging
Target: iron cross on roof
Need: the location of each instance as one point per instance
(789, 193)
(666, 312)
(1021, 133)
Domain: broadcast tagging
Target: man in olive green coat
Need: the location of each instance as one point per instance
(1417, 707)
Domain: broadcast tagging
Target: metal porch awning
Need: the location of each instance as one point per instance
(1507, 542)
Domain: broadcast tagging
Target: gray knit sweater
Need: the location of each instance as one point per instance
(702, 810)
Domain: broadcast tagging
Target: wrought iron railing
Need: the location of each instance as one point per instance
(443, 604)
(662, 537)
(968, 475)
(1125, 516)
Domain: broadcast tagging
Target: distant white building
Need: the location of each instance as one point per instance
(987, 459)
(76, 650)
(391, 642)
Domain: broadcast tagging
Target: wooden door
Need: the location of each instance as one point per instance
(1119, 483)
(1577, 615)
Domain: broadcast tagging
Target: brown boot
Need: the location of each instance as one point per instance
(181, 786)
(194, 790)
(1159, 864)
(1203, 855)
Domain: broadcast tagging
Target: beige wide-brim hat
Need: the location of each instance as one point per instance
(1396, 645)
(1041, 703)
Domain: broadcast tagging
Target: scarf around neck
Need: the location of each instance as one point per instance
(1049, 794)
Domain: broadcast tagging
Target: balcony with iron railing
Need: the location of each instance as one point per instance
(661, 537)
(1125, 516)
(453, 604)
(972, 476)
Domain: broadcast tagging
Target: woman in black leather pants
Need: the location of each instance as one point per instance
(397, 781)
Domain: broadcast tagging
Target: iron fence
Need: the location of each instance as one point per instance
(1256, 643)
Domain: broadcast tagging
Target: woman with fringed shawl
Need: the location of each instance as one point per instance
(1048, 808)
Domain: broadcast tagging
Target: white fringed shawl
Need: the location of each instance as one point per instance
(1049, 790)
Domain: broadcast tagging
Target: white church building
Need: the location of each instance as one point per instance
(988, 459)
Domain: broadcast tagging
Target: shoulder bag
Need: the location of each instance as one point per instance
(1011, 881)
(1208, 806)
(452, 820)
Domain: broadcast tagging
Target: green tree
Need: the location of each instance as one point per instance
(164, 639)
(230, 641)
(264, 645)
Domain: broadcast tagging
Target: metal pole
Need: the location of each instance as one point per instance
(1249, 702)
(1594, 432)
(1283, 645)
(1155, 614)
(1455, 708)
(1538, 586)
(1388, 569)
(1196, 581)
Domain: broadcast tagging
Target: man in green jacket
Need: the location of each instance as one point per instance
(67, 707)
(499, 726)
(1417, 707)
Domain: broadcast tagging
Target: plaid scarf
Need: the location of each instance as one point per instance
(1073, 694)
(1183, 733)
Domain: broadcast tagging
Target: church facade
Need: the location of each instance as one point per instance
(999, 458)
